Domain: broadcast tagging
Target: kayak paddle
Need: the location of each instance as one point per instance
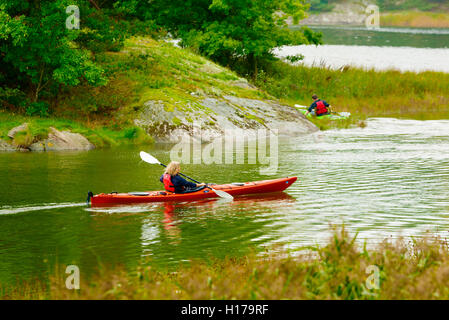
(148, 158)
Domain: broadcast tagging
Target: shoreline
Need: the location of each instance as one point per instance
(354, 16)
(411, 107)
(216, 96)
(340, 269)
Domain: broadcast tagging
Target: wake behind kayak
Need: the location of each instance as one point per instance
(234, 189)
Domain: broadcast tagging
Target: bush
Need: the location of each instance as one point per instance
(23, 139)
(39, 108)
(137, 135)
(11, 97)
(321, 5)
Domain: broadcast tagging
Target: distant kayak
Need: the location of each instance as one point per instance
(234, 189)
(332, 116)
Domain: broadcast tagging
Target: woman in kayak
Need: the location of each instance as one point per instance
(173, 182)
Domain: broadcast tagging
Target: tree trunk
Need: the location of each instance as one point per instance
(253, 65)
(94, 4)
(40, 85)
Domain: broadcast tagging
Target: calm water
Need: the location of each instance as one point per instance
(401, 49)
(388, 179)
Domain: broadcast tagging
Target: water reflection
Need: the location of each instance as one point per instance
(388, 179)
(207, 226)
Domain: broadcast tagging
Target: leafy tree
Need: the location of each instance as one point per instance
(321, 5)
(38, 51)
(231, 30)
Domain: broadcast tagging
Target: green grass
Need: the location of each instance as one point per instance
(147, 69)
(144, 70)
(98, 135)
(364, 93)
(415, 19)
(341, 269)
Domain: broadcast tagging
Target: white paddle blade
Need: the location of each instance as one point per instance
(223, 194)
(148, 158)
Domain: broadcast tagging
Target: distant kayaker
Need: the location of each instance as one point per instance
(318, 107)
(173, 182)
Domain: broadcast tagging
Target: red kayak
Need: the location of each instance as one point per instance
(234, 189)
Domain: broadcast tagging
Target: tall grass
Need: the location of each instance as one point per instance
(364, 93)
(415, 19)
(38, 129)
(417, 269)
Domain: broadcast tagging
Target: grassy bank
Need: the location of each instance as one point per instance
(339, 270)
(145, 70)
(151, 70)
(415, 19)
(364, 93)
(100, 136)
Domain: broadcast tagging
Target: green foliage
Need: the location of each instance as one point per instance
(36, 32)
(295, 58)
(23, 139)
(11, 97)
(39, 108)
(321, 5)
(233, 30)
(341, 269)
(101, 32)
(137, 135)
(100, 136)
(364, 93)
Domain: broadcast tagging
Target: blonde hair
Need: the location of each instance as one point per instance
(173, 168)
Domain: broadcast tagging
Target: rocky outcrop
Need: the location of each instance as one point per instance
(215, 115)
(347, 13)
(13, 131)
(62, 140)
(4, 146)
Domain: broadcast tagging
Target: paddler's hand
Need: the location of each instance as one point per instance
(201, 184)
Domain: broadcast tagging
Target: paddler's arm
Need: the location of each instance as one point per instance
(179, 181)
(310, 109)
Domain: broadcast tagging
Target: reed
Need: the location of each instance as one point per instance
(415, 19)
(364, 93)
(342, 269)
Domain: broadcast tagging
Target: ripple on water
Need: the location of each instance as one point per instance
(379, 58)
(392, 176)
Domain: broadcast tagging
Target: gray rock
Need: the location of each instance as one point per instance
(243, 83)
(216, 115)
(4, 146)
(345, 13)
(13, 131)
(62, 140)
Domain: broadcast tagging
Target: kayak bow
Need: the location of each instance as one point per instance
(234, 189)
